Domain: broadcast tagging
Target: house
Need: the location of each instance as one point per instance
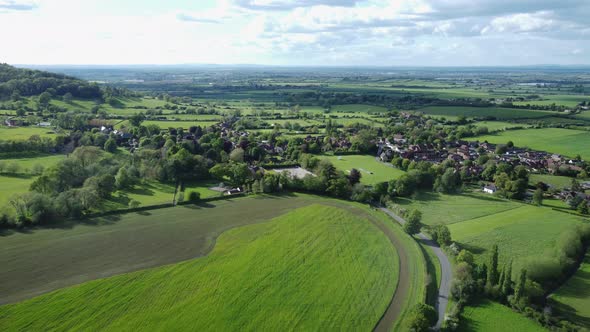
(13, 122)
(490, 189)
(44, 124)
(233, 191)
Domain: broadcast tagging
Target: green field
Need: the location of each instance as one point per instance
(563, 141)
(480, 112)
(317, 267)
(522, 234)
(155, 193)
(573, 298)
(26, 163)
(12, 185)
(372, 170)
(490, 316)
(178, 124)
(355, 108)
(23, 133)
(498, 125)
(449, 209)
(555, 181)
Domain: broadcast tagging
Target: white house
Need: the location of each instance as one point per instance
(490, 189)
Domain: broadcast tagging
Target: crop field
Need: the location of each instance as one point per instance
(23, 133)
(573, 298)
(563, 141)
(449, 209)
(513, 231)
(372, 171)
(548, 99)
(498, 125)
(497, 112)
(316, 266)
(493, 317)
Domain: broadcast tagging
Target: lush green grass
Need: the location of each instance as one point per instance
(490, 316)
(522, 234)
(26, 163)
(178, 124)
(317, 267)
(372, 170)
(154, 193)
(573, 298)
(354, 108)
(563, 141)
(555, 181)
(449, 209)
(497, 112)
(498, 125)
(23, 133)
(12, 185)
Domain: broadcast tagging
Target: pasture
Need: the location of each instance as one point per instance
(23, 133)
(449, 209)
(26, 164)
(573, 298)
(317, 266)
(372, 171)
(554, 181)
(567, 142)
(178, 124)
(493, 317)
(13, 185)
(522, 234)
(482, 112)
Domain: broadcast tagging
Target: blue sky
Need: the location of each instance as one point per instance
(296, 32)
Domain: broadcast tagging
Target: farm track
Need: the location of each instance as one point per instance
(446, 271)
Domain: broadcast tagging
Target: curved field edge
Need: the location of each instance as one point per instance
(572, 299)
(107, 293)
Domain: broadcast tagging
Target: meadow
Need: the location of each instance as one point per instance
(372, 171)
(178, 124)
(449, 209)
(554, 181)
(13, 185)
(490, 316)
(315, 267)
(23, 133)
(27, 163)
(482, 112)
(525, 234)
(573, 298)
(567, 142)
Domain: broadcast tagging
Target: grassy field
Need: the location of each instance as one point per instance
(513, 231)
(573, 298)
(23, 133)
(449, 209)
(372, 171)
(496, 112)
(563, 141)
(555, 181)
(178, 124)
(154, 193)
(328, 269)
(12, 185)
(498, 125)
(489, 316)
(354, 108)
(26, 163)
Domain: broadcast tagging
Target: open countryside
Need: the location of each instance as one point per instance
(262, 165)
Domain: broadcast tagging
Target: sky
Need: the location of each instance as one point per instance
(296, 32)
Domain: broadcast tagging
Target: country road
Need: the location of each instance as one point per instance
(445, 268)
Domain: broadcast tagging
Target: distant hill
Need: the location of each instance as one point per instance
(27, 82)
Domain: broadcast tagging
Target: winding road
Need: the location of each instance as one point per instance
(445, 267)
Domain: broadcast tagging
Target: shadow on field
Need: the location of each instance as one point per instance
(474, 249)
(569, 312)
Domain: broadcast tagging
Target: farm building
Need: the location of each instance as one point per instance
(490, 189)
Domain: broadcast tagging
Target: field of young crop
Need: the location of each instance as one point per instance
(490, 316)
(23, 133)
(316, 267)
(522, 234)
(449, 209)
(497, 112)
(573, 298)
(563, 141)
(372, 171)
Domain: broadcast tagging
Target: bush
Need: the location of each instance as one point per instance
(421, 317)
(194, 196)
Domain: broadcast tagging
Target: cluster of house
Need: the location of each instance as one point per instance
(16, 122)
